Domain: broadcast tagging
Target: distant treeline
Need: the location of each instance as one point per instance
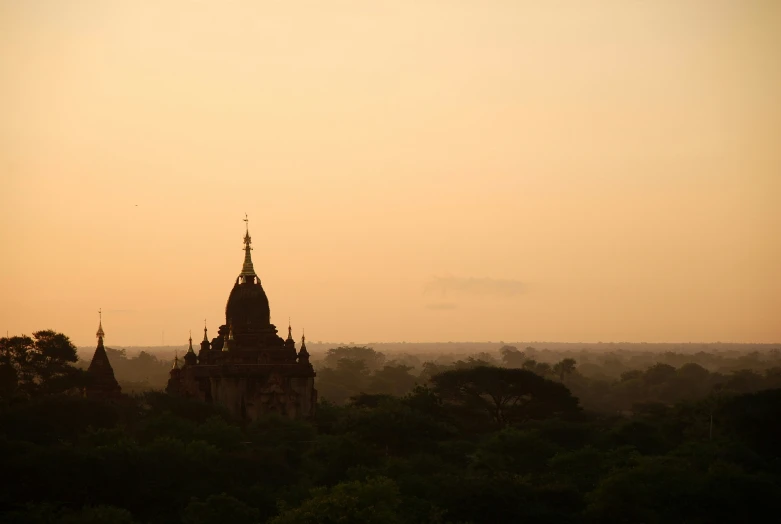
(604, 380)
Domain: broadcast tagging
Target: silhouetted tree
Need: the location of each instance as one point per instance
(375, 501)
(218, 509)
(511, 357)
(38, 365)
(371, 358)
(564, 368)
(506, 395)
(658, 374)
(393, 379)
(347, 378)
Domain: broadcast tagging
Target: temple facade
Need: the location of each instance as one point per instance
(248, 367)
(102, 383)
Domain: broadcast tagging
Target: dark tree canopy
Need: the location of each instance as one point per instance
(507, 395)
(511, 357)
(663, 437)
(38, 365)
(371, 358)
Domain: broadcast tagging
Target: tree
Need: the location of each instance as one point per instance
(564, 368)
(99, 515)
(511, 357)
(220, 508)
(375, 501)
(514, 451)
(632, 374)
(347, 378)
(723, 493)
(371, 358)
(38, 365)
(393, 379)
(540, 368)
(506, 395)
(658, 374)
(392, 426)
(693, 372)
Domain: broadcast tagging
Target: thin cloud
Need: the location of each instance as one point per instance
(475, 286)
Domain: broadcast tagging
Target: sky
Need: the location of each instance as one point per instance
(413, 170)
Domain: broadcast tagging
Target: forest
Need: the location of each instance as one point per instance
(516, 434)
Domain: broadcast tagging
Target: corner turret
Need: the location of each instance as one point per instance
(289, 342)
(190, 359)
(303, 355)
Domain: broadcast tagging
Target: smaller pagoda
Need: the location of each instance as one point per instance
(102, 383)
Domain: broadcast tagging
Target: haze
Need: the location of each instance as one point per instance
(412, 170)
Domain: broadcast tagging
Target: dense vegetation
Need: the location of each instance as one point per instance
(481, 439)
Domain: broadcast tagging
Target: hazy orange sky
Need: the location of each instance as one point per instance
(413, 170)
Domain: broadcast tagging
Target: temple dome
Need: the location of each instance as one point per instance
(247, 308)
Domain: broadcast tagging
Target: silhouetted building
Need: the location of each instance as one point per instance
(248, 367)
(102, 383)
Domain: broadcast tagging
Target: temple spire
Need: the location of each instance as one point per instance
(100, 334)
(205, 341)
(189, 358)
(303, 354)
(102, 381)
(247, 269)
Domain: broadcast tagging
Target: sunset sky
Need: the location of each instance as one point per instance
(413, 170)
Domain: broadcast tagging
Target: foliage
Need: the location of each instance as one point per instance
(219, 508)
(505, 395)
(375, 501)
(371, 358)
(38, 365)
(660, 438)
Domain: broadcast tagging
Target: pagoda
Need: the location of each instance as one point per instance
(248, 368)
(102, 383)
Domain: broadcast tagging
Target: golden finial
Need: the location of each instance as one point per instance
(247, 269)
(100, 333)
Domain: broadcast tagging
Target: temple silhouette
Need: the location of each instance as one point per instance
(102, 383)
(248, 367)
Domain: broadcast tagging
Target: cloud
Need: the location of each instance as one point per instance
(475, 286)
(441, 306)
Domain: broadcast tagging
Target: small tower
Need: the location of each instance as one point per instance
(175, 367)
(190, 359)
(303, 355)
(205, 341)
(174, 380)
(289, 342)
(102, 383)
(203, 354)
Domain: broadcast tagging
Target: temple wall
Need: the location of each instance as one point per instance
(251, 397)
